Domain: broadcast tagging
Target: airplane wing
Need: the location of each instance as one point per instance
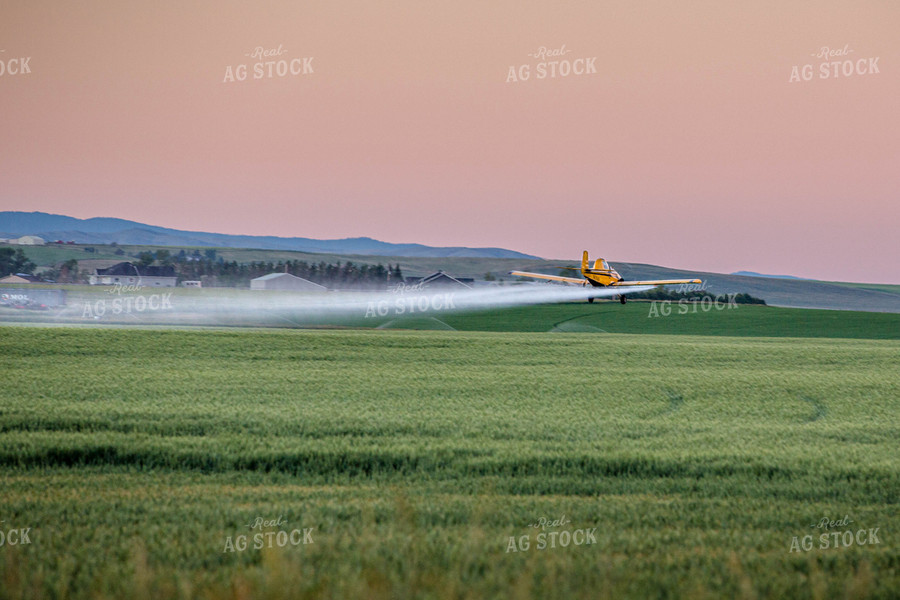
(655, 282)
(572, 280)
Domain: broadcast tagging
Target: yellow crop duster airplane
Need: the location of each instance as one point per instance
(601, 275)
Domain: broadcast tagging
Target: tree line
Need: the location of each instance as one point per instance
(215, 271)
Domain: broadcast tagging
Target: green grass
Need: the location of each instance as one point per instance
(686, 319)
(135, 454)
(232, 307)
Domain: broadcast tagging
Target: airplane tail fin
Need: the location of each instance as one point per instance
(584, 262)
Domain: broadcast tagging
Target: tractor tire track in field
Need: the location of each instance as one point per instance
(676, 401)
(820, 411)
(569, 326)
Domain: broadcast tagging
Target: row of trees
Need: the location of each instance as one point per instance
(342, 276)
(214, 271)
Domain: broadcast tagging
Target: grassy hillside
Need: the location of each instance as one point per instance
(878, 287)
(52, 255)
(427, 464)
(797, 293)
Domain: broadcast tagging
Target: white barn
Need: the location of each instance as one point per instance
(30, 240)
(285, 282)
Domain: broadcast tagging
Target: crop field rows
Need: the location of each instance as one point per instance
(447, 464)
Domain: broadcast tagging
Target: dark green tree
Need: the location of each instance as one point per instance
(68, 271)
(164, 257)
(14, 261)
(145, 259)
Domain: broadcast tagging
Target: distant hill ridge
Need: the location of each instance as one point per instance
(755, 274)
(104, 230)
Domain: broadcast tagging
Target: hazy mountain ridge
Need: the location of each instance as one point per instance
(105, 230)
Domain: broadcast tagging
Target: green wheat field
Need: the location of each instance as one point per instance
(455, 464)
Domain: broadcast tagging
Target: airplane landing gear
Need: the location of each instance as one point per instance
(590, 300)
(622, 298)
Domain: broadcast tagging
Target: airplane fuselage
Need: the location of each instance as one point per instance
(601, 274)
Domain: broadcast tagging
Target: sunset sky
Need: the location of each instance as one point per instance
(689, 146)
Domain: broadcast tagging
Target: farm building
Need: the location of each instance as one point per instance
(29, 240)
(285, 282)
(20, 278)
(126, 273)
(440, 280)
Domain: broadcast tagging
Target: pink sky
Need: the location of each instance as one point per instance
(689, 147)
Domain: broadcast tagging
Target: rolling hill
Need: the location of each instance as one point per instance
(101, 230)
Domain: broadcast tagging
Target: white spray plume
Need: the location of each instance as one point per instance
(218, 306)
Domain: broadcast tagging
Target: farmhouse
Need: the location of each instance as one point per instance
(285, 282)
(126, 273)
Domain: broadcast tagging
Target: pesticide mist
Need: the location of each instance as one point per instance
(230, 307)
